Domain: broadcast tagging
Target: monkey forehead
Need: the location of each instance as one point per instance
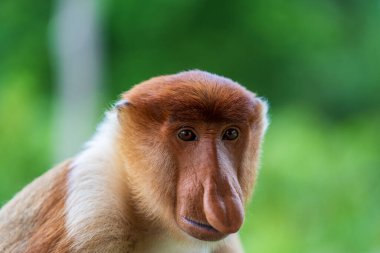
(194, 95)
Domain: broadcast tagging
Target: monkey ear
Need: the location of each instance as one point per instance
(264, 107)
(121, 104)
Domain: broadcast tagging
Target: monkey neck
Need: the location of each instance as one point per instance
(96, 181)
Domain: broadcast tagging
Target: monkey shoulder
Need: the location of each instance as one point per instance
(35, 212)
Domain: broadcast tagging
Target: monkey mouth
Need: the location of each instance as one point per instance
(200, 224)
(200, 230)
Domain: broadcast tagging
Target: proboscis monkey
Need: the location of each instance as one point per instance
(170, 169)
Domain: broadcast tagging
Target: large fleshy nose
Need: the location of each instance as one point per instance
(222, 206)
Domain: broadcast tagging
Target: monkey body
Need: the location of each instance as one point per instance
(170, 169)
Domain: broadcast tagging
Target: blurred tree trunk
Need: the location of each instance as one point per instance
(77, 54)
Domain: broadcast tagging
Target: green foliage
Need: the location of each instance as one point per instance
(24, 136)
(321, 53)
(318, 189)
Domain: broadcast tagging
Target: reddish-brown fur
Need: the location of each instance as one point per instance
(50, 234)
(192, 96)
(34, 220)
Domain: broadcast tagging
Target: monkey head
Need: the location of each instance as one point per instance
(191, 144)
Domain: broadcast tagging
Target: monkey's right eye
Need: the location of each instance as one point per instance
(187, 135)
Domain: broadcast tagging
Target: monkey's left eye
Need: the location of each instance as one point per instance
(187, 135)
(230, 134)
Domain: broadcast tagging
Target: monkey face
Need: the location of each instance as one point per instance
(195, 138)
(209, 199)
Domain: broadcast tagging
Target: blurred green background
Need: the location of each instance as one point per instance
(317, 63)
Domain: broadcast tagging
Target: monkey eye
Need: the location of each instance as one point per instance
(187, 135)
(230, 134)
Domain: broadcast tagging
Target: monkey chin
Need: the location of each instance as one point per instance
(199, 230)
